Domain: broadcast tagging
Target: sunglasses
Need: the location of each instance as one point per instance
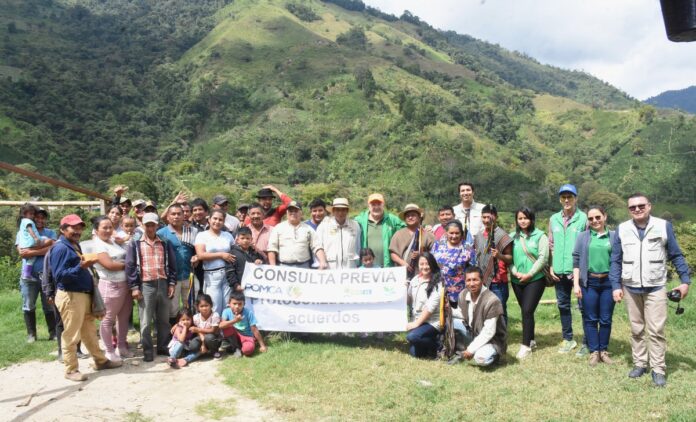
(640, 207)
(597, 218)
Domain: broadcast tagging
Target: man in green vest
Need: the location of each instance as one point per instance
(564, 227)
(378, 227)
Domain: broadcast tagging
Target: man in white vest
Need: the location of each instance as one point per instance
(340, 237)
(638, 274)
(468, 211)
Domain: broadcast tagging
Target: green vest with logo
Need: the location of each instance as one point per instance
(564, 240)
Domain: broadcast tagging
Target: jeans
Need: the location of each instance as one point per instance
(502, 291)
(153, 308)
(528, 296)
(180, 299)
(564, 291)
(215, 284)
(485, 355)
(599, 308)
(423, 341)
(31, 289)
(178, 348)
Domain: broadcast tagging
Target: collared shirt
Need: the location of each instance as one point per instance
(293, 244)
(65, 267)
(152, 257)
(259, 238)
(183, 248)
(470, 217)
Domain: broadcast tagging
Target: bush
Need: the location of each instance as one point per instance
(354, 37)
(302, 12)
(9, 273)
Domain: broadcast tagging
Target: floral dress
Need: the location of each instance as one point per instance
(453, 263)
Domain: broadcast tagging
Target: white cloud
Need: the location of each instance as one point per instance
(622, 42)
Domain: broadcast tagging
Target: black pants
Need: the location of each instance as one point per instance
(528, 296)
(212, 343)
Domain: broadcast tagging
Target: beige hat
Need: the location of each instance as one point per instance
(150, 217)
(340, 203)
(375, 197)
(409, 208)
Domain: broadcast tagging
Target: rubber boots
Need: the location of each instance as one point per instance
(30, 322)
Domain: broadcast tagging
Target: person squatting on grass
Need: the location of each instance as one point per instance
(424, 299)
(181, 340)
(205, 327)
(238, 328)
(591, 259)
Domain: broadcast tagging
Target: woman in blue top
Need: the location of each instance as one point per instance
(591, 261)
(213, 248)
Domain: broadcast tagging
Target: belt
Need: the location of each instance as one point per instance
(89, 292)
(600, 275)
(214, 269)
(296, 263)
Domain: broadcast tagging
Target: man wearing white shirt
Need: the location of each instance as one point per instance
(293, 242)
(340, 237)
(486, 333)
(469, 211)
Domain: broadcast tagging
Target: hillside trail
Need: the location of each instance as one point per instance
(138, 391)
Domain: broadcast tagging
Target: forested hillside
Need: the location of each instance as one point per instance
(319, 97)
(682, 99)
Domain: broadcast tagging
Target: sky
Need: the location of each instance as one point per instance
(622, 42)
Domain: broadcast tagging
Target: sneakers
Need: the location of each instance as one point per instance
(31, 338)
(583, 351)
(532, 344)
(455, 359)
(76, 376)
(594, 359)
(637, 372)
(660, 380)
(567, 346)
(217, 355)
(172, 363)
(109, 364)
(524, 352)
(124, 353)
(112, 357)
(604, 356)
(237, 354)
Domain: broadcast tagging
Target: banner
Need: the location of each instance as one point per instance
(354, 285)
(272, 315)
(328, 301)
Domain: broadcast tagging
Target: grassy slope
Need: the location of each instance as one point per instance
(339, 378)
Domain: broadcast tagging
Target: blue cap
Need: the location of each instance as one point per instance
(568, 188)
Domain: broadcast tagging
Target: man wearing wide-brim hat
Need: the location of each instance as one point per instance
(272, 216)
(410, 241)
(340, 236)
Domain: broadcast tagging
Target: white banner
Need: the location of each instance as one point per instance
(273, 315)
(354, 285)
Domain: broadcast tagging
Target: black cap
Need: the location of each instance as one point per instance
(265, 193)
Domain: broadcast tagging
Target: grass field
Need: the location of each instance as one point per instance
(342, 378)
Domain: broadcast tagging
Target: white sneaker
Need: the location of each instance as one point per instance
(524, 352)
(532, 344)
(113, 357)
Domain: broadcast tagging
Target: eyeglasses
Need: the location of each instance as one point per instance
(597, 218)
(639, 207)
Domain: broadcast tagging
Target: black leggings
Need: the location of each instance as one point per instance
(528, 296)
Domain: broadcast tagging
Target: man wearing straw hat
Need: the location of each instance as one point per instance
(410, 241)
(340, 236)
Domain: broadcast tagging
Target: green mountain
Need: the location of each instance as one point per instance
(681, 99)
(321, 98)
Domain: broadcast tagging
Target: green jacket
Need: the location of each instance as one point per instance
(564, 240)
(391, 223)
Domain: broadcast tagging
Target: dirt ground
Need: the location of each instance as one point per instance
(138, 391)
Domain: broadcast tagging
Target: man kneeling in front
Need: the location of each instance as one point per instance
(485, 338)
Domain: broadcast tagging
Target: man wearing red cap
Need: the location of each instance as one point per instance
(75, 287)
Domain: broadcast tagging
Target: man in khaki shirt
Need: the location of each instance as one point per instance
(292, 242)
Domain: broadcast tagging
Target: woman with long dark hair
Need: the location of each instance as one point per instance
(530, 253)
(424, 297)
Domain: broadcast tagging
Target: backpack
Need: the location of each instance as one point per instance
(48, 283)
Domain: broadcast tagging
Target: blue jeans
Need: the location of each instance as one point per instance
(599, 308)
(215, 284)
(31, 289)
(423, 341)
(564, 290)
(178, 348)
(502, 291)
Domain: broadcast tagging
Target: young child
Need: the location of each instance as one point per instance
(28, 237)
(238, 327)
(243, 252)
(205, 326)
(181, 336)
(367, 258)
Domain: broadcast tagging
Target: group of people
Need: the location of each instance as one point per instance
(459, 273)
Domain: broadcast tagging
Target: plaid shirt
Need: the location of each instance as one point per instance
(152, 255)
